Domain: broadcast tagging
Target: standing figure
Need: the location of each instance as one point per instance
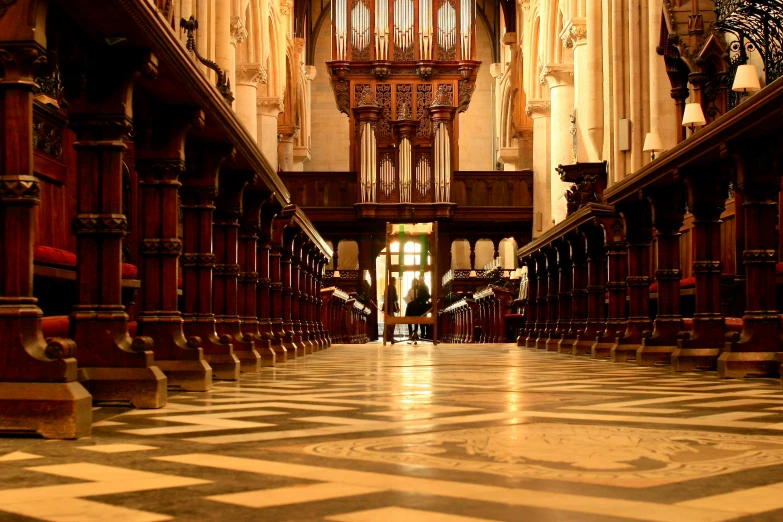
(412, 310)
(391, 306)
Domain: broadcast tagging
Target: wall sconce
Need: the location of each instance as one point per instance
(472, 273)
(746, 79)
(652, 144)
(336, 274)
(693, 117)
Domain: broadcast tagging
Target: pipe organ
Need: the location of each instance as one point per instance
(402, 71)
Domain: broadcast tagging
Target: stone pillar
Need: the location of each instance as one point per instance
(560, 80)
(224, 50)
(268, 111)
(160, 160)
(248, 77)
(539, 111)
(638, 229)
(285, 146)
(225, 232)
(591, 99)
(238, 35)
(586, 82)
(197, 262)
(112, 366)
(757, 350)
(38, 388)
(668, 205)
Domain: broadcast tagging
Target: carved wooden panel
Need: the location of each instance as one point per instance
(423, 100)
(384, 99)
(404, 100)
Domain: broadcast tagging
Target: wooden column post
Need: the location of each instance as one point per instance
(38, 388)
(296, 327)
(596, 288)
(282, 240)
(700, 348)
(757, 351)
(304, 296)
(160, 160)
(531, 308)
(638, 229)
(268, 213)
(578, 321)
(542, 307)
(225, 230)
(668, 209)
(565, 283)
(197, 263)
(322, 334)
(286, 270)
(552, 300)
(247, 291)
(112, 366)
(617, 272)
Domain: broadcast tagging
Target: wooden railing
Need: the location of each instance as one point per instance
(321, 189)
(494, 188)
(591, 277)
(469, 189)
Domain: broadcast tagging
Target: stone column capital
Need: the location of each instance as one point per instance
(287, 132)
(538, 108)
(251, 74)
(238, 31)
(574, 33)
(270, 106)
(557, 75)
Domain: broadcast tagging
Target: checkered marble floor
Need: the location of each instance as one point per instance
(448, 433)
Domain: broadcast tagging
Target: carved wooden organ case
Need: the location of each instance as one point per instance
(401, 71)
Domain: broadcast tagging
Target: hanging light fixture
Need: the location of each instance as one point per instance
(652, 144)
(746, 79)
(693, 116)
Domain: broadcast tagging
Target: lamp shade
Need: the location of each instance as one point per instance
(336, 274)
(652, 142)
(746, 79)
(693, 116)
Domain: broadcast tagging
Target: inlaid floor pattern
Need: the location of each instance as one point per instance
(448, 433)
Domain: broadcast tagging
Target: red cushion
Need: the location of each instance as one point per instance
(688, 282)
(129, 271)
(779, 268)
(654, 287)
(53, 256)
(58, 326)
(734, 324)
(55, 326)
(58, 257)
(514, 316)
(179, 283)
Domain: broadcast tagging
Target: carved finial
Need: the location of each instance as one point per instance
(223, 83)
